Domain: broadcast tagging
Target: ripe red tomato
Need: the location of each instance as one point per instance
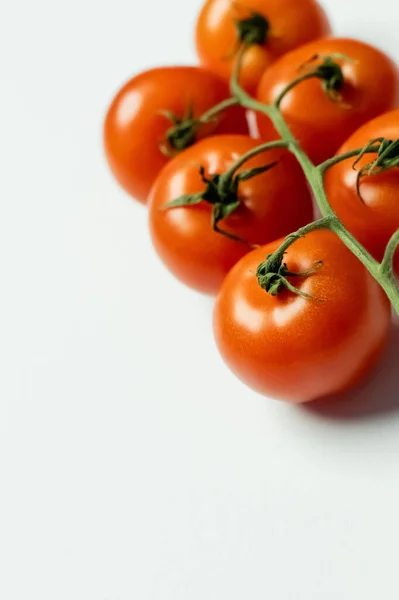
(293, 348)
(136, 123)
(373, 217)
(371, 86)
(271, 204)
(274, 27)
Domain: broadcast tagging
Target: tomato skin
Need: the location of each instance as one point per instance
(293, 348)
(292, 23)
(135, 126)
(321, 125)
(375, 217)
(274, 203)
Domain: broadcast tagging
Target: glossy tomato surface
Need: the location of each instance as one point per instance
(272, 204)
(136, 124)
(295, 349)
(290, 23)
(373, 217)
(371, 87)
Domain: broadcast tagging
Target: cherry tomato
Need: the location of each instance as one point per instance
(271, 204)
(370, 87)
(374, 216)
(273, 27)
(136, 126)
(299, 349)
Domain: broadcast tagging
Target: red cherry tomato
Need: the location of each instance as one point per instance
(374, 216)
(137, 121)
(293, 348)
(371, 86)
(271, 204)
(276, 26)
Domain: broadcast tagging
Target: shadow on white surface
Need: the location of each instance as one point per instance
(377, 396)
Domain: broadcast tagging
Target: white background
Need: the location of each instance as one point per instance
(133, 465)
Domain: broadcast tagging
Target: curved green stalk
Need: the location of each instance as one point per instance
(228, 175)
(213, 112)
(330, 162)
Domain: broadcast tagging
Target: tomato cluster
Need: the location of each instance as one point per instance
(309, 321)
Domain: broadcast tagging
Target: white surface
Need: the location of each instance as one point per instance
(133, 465)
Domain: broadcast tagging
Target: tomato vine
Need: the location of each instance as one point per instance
(381, 271)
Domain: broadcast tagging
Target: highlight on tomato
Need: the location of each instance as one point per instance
(156, 115)
(364, 193)
(345, 84)
(270, 27)
(303, 345)
(202, 223)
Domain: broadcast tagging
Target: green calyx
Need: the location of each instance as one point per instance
(253, 30)
(184, 130)
(273, 272)
(329, 71)
(331, 75)
(182, 134)
(221, 191)
(387, 158)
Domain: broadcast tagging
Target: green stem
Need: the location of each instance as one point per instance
(290, 86)
(217, 109)
(236, 90)
(383, 272)
(340, 157)
(323, 223)
(228, 175)
(387, 262)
